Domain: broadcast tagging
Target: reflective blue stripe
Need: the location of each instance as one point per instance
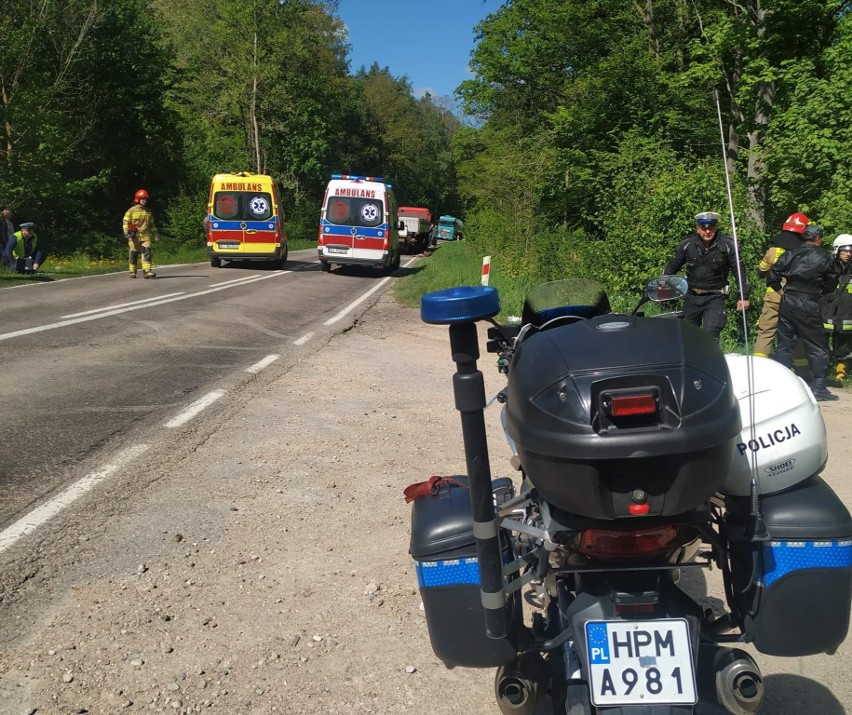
(221, 225)
(331, 229)
(783, 557)
(451, 572)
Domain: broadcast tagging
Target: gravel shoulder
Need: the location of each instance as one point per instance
(267, 569)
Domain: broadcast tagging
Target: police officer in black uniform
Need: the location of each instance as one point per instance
(810, 273)
(709, 257)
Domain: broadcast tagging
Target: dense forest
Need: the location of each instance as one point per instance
(102, 98)
(589, 138)
(598, 136)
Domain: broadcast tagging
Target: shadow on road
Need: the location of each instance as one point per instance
(22, 278)
(793, 695)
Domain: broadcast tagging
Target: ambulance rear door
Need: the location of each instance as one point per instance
(355, 226)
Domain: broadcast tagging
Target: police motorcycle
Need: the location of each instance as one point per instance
(646, 458)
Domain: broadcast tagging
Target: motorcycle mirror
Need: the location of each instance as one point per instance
(663, 288)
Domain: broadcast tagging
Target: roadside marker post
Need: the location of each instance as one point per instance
(486, 269)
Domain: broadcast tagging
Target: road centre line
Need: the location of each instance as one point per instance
(260, 364)
(301, 341)
(195, 408)
(41, 514)
(237, 280)
(119, 311)
(121, 305)
(355, 303)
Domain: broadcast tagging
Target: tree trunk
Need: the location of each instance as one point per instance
(4, 97)
(763, 105)
(646, 10)
(756, 164)
(253, 110)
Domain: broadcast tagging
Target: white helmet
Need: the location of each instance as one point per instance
(843, 241)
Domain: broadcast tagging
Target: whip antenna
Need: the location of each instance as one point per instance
(759, 526)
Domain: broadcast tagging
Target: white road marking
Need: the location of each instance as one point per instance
(303, 339)
(122, 305)
(119, 311)
(195, 408)
(355, 303)
(244, 279)
(41, 514)
(258, 366)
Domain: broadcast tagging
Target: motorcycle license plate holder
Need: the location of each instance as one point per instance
(640, 662)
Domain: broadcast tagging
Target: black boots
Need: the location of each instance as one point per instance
(821, 391)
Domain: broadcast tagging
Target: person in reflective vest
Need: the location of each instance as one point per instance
(837, 308)
(139, 230)
(23, 251)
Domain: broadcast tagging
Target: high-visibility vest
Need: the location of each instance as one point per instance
(19, 250)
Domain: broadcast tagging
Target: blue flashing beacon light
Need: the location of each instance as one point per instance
(358, 177)
(462, 304)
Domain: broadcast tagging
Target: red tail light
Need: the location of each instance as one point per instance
(631, 405)
(612, 544)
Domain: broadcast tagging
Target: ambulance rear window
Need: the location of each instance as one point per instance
(242, 205)
(351, 211)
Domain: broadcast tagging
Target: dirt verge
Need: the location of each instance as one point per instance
(272, 576)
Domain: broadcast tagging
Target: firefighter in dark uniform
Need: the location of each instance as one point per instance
(837, 308)
(789, 237)
(709, 258)
(809, 273)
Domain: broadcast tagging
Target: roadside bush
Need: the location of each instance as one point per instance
(182, 225)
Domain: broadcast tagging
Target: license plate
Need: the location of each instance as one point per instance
(333, 249)
(227, 246)
(640, 662)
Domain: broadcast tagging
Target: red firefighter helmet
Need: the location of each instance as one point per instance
(796, 223)
(141, 194)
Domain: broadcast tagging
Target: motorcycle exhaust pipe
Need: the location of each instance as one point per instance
(516, 693)
(739, 684)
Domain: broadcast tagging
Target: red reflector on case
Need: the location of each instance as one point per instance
(627, 405)
(639, 509)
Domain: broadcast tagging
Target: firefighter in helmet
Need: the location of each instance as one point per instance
(803, 276)
(837, 308)
(139, 230)
(790, 237)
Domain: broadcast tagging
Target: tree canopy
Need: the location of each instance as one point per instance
(98, 99)
(600, 119)
(591, 134)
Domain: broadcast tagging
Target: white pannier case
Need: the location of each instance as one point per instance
(783, 439)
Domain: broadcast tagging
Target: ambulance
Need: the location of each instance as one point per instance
(244, 221)
(358, 223)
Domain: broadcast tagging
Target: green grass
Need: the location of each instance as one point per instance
(59, 267)
(456, 264)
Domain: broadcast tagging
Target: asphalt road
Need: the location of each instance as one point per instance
(88, 361)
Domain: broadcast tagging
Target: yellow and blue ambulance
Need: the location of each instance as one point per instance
(244, 220)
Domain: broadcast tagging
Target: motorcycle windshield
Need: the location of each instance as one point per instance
(579, 297)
